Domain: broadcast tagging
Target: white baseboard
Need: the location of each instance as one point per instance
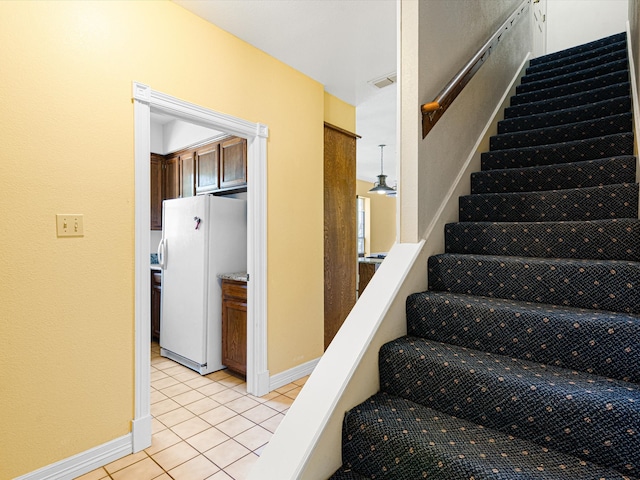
(84, 462)
(284, 378)
(141, 431)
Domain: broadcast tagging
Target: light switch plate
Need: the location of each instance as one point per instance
(70, 225)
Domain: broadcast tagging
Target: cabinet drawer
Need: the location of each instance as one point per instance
(233, 289)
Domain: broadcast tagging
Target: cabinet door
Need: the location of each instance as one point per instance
(157, 191)
(233, 163)
(172, 178)
(156, 293)
(187, 170)
(207, 167)
(234, 335)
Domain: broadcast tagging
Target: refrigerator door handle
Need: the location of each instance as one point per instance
(162, 246)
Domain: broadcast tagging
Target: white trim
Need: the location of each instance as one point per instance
(145, 100)
(284, 378)
(84, 462)
(636, 102)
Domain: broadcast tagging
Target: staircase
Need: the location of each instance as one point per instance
(522, 360)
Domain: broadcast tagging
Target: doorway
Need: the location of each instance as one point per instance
(145, 101)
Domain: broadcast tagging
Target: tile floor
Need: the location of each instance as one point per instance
(204, 427)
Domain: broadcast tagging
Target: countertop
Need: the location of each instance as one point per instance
(370, 260)
(238, 276)
(155, 267)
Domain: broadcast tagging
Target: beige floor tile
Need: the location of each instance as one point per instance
(202, 406)
(98, 474)
(284, 389)
(258, 451)
(217, 415)
(175, 455)
(254, 438)
(175, 390)
(240, 470)
(188, 375)
(177, 369)
(241, 388)
(143, 470)
(157, 396)
(260, 413)
(231, 382)
(219, 375)
(301, 381)
(162, 363)
(162, 440)
(163, 406)
(241, 404)
(220, 476)
(157, 375)
(235, 425)
(207, 439)
(164, 476)
(190, 427)
(293, 394)
(280, 403)
(188, 397)
(198, 382)
(164, 383)
(157, 425)
(269, 396)
(226, 395)
(175, 417)
(198, 468)
(226, 453)
(272, 423)
(125, 462)
(211, 389)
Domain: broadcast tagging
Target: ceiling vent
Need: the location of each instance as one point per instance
(384, 81)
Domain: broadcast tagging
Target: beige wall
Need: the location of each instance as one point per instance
(382, 219)
(634, 23)
(67, 305)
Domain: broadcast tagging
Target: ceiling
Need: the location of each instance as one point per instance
(343, 44)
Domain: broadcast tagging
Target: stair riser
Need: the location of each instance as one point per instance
(519, 398)
(573, 88)
(577, 114)
(621, 123)
(588, 73)
(597, 240)
(592, 173)
(612, 286)
(568, 101)
(604, 147)
(599, 343)
(589, 50)
(575, 67)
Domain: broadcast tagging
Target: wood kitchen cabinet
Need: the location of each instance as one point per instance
(157, 191)
(156, 294)
(234, 325)
(207, 168)
(172, 177)
(233, 162)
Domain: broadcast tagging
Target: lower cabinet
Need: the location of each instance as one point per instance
(156, 293)
(234, 326)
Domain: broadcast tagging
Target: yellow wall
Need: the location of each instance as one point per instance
(383, 218)
(339, 113)
(67, 305)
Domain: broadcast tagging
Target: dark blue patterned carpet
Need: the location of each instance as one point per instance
(522, 360)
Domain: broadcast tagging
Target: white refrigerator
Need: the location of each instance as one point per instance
(202, 236)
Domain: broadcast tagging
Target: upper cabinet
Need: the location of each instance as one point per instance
(217, 168)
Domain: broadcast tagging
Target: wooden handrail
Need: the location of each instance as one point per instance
(431, 112)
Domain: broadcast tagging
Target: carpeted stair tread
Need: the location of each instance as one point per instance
(564, 79)
(571, 88)
(580, 113)
(529, 400)
(568, 101)
(596, 48)
(576, 151)
(589, 203)
(391, 437)
(614, 239)
(589, 173)
(600, 127)
(344, 473)
(612, 285)
(563, 68)
(593, 341)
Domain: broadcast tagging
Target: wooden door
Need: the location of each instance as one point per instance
(340, 246)
(207, 167)
(539, 27)
(157, 191)
(233, 163)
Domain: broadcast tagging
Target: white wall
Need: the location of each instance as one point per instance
(175, 135)
(573, 22)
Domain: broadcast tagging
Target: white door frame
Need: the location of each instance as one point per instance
(146, 100)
